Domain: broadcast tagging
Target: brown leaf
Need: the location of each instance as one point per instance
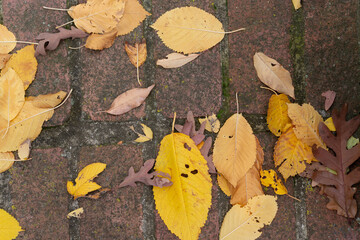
(330, 97)
(136, 53)
(128, 100)
(100, 41)
(175, 60)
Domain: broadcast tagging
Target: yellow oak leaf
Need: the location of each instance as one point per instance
(83, 182)
(244, 223)
(6, 161)
(9, 226)
(234, 149)
(269, 178)
(212, 123)
(76, 213)
(147, 136)
(24, 63)
(100, 41)
(7, 40)
(277, 114)
(330, 124)
(184, 205)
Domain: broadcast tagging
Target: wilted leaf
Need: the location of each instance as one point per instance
(147, 136)
(6, 36)
(184, 205)
(330, 97)
(6, 161)
(297, 4)
(83, 182)
(189, 29)
(352, 142)
(212, 123)
(175, 60)
(76, 213)
(273, 74)
(136, 53)
(100, 41)
(277, 114)
(9, 226)
(270, 178)
(330, 124)
(245, 222)
(24, 150)
(4, 58)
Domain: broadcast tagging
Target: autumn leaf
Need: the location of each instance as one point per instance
(184, 205)
(24, 150)
(330, 124)
(76, 213)
(352, 142)
(100, 41)
(212, 123)
(7, 40)
(9, 226)
(6, 161)
(245, 222)
(269, 178)
(297, 4)
(277, 114)
(137, 55)
(329, 98)
(83, 182)
(224, 185)
(147, 136)
(4, 58)
(273, 74)
(175, 60)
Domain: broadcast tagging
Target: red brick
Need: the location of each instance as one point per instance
(39, 196)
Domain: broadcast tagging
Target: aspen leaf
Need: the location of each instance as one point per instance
(136, 53)
(277, 114)
(76, 213)
(273, 74)
(4, 58)
(175, 60)
(147, 136)
(6, 35)
(297, 4)
(269, 178)
(189, 30)
(9, 226)
(234, 149)
(24, 63)
(24, 150)
(100, 41)
(245, 222)
(6, 161)
(83, 182)
(184, 205)
(306, 121)
(330, 124)
(212, 123)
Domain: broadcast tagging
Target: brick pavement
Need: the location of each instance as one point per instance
(319, 44)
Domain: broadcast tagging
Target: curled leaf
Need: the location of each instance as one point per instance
(175, 60)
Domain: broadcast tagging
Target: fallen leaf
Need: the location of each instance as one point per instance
(224, 185)
(175, 60)
(24, 150)
(245, 222)
(9, 226)
(83, 182)
(6, 161)
(189, 29)
(269, 178)
(6, 36)
(128, 100)
(204, 150)
(277, 114)
(100, 41)
(4, 58)
(137, 53)
(329, 98)
(96, 194)
(76, 213)
(271, 73)
(147, 136)
(297, 4)
(330, 124)
(352, 142)
(212, 123)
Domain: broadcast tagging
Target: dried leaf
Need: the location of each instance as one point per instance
(76, 213)
(6, 161)
(147, 136)
(212, 123)
(96, 194)
(330, 124)
(224, 185)
(136, 53)
(297, 4)
(100, 41)
(24, 150)
(128, 100)
(277, 114)
(175, 60)
(351, 142)
(269, 178)
(244, 222)
(4, 58)
(9, 226)
(6, 36)
(330, 97)
(189, 29)
(204, 150)
(273, 74)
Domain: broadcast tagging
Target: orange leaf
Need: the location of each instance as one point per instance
(100, 41)
(136, 53)
(277, 115)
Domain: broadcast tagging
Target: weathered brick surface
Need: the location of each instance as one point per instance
(195, 86)
(39, 196)
(267, 26)
(118, 214)
(28, 19)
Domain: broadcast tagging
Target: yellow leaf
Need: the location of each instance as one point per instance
(76, 213)
(6, 35)
(4, 58)
(83, 182)
(100, 41)
(244, 222)
(330, 124)
(189, 30)
(234, 149)
(6, 161)
(291, 153)
(24, 150)
(9, 226)
(24, 63)
(270, 178)
(136, 53)
(184, 205)
(147, 136)
(27, 124)
(297, 4)
(212, 123)
(224, 185)
(277, 114)
(306, 123)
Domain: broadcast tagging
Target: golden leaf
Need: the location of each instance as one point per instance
(76, 213)
(175, 60)
(6, 36)
(297, 4)
(270, 178)
(224, 185)
(184, 205)
(9, 226)
(24, 63)
(234, 149)
(4, 58)
(83, 182)
(212, 123)
(277, 114)
(147, 136)
(330, 124)
(291, 153)
(100, 41)
(189, 30)
(244, 222)
(306, 124)
(24, 150)
(136, 53)
(6, 161)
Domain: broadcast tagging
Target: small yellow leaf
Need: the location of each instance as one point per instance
(136, 53)
(224, 185)
(76, 213)
(24, 150)
(147, 136)
(277, 114)
(83, 182)
(330, 124)
(297, 4)
(212, 123)
(9, 226)
(270, 178)
(100, 41)
(6, 161)
(6, 35)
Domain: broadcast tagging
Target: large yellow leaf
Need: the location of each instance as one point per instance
(12, 95)
(184, 205)
(291, 153)
(6, 161)
(244, 222)
(306, 123)
(9, 226)
(277, 115)
(27, 124)
(189, 29)
(24, 63)
(83, 182)
(6, 35)
(234, 149)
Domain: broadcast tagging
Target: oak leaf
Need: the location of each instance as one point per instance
(273, 74)
(212, 123)
(147, 136)
(100, 41)
(269, 178)
(175, 60)
(329, 98)
(6, 161)
(4, 58)
(9, 226)
(7, 40)
(277, 114)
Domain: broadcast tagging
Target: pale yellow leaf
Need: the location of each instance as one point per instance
(6, 35)
(6, 161)
(330, 124)
(212, 123)
(76, 213)
(297, 4)
(175, 60)
(9, 226)
(277, 114)
(224, 185)
(24, 150)
(147, 136)
(100, 41)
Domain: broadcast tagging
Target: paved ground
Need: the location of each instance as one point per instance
(319, 44)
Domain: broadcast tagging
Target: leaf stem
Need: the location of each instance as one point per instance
(293, 197)
(57, 9)
(137, 63)
(25, 42)
(211, 31)
(15, 160)
(270, 89)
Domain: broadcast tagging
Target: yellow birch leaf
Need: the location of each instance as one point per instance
(269, 178)
(147, 136)
(4, 58)
(277, 114)
(291, 153)
(245, 222)
(24, 150)
(6, 161)
(330, 124)
(100, 41)
(83, 182)
(6, 35)
(234, 149)
(27, 124)
(306, 123)
(212, 123)
(184, 205)
(189, 29)
(9, 226)
(297, 4)
(76, 213)
(24, 63)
